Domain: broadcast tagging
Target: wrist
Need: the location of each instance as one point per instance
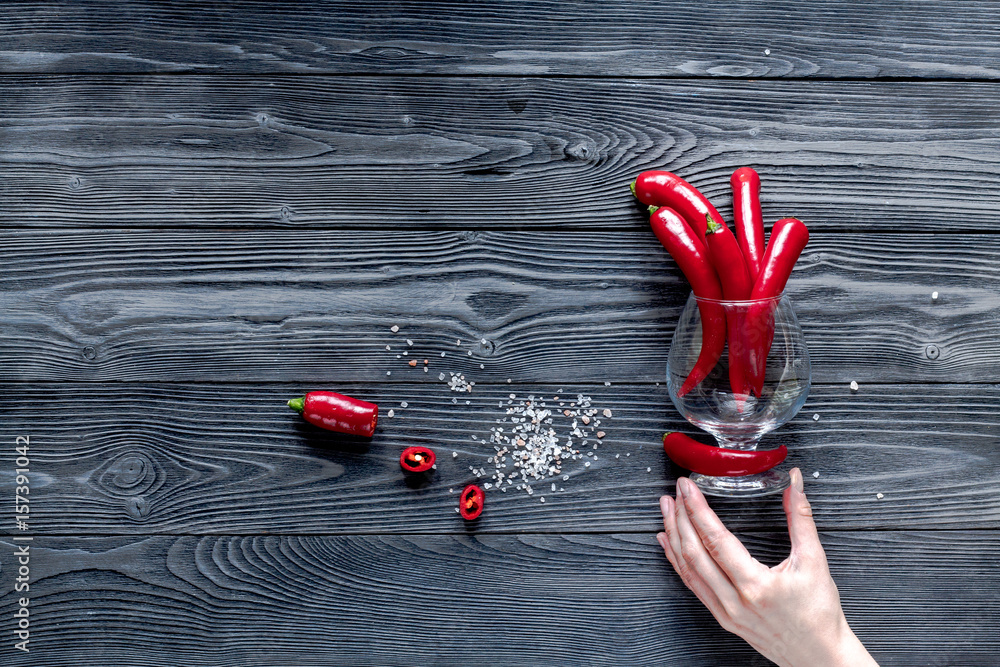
(850, 652)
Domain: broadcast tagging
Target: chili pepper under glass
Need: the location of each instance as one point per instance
(736, 416)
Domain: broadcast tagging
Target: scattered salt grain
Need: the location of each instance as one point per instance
(412, 362)
(607, 413)
(607, 384)
(508, 380)
(587, 464)
(854, 385)
(934, 296)
(649, 470)
(388, 372)
(404, 404)
(542, 499)
(879, 496)
(483, 341)
(454, 455)
(553, 486)
(767, 52)
(470, 353)
(458, 342)
(393, 328)
(392, 413)
(816, 417)
(442, 354)
(451, 490)
(481, 366)
(601, 434)
(585, 419)
(425, 369)
(409, 342)
(387, 347)
(816, 474)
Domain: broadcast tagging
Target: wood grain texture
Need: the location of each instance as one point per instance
(950, 40)
(317, 305)
(525, 600)
(293, 152)
(200, 459)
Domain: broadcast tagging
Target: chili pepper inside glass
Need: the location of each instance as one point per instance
(760, 380)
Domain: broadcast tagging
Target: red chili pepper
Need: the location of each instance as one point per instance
(662, 188)
(727, 258)
(675, 235)
(788, 237)
(748, 217)
(416, 459)
(470, 503)
(718, 462)
(336, 412)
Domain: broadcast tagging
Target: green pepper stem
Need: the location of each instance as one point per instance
(712, 225)
(631, 186)
(298, 404)
(652, 209)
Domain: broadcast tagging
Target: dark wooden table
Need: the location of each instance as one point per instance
(207, 210)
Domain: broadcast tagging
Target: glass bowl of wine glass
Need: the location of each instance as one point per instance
(759, 382)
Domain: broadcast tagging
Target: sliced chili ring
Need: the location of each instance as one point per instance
(470, 503)
(416, 459)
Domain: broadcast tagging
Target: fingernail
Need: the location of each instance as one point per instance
(665, 504)
(797, 480)
(682, 488)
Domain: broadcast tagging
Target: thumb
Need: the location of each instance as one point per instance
(801, 527)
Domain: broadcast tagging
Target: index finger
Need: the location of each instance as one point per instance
(724, 548)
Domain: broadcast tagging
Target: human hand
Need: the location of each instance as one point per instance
(790, 613)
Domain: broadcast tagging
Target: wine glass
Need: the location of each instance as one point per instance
(739, 404)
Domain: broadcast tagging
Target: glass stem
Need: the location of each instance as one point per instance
(747, 444)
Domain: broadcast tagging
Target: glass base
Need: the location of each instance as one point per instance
(746, 486)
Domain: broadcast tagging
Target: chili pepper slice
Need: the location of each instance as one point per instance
(470, 503)
(416, 459)
(662, 188)
(677, 237)
(336, 412)
(788, 237)
(718, 462)
(748, 218)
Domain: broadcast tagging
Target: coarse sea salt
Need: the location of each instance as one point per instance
(531, 447)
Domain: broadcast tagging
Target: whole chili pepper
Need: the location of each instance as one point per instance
(662, 188)
(788, 237)
(470, 503)
(336, 412)
(748, 217)
(416, 459)
(728, 261)
(718, 462)
(727, 258)
(675, 235)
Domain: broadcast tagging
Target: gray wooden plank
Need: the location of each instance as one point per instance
(294, 152)
(201, 459)
(927, 598)
(657, 38)
(317, 305)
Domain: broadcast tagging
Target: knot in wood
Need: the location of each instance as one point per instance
(131, 474)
